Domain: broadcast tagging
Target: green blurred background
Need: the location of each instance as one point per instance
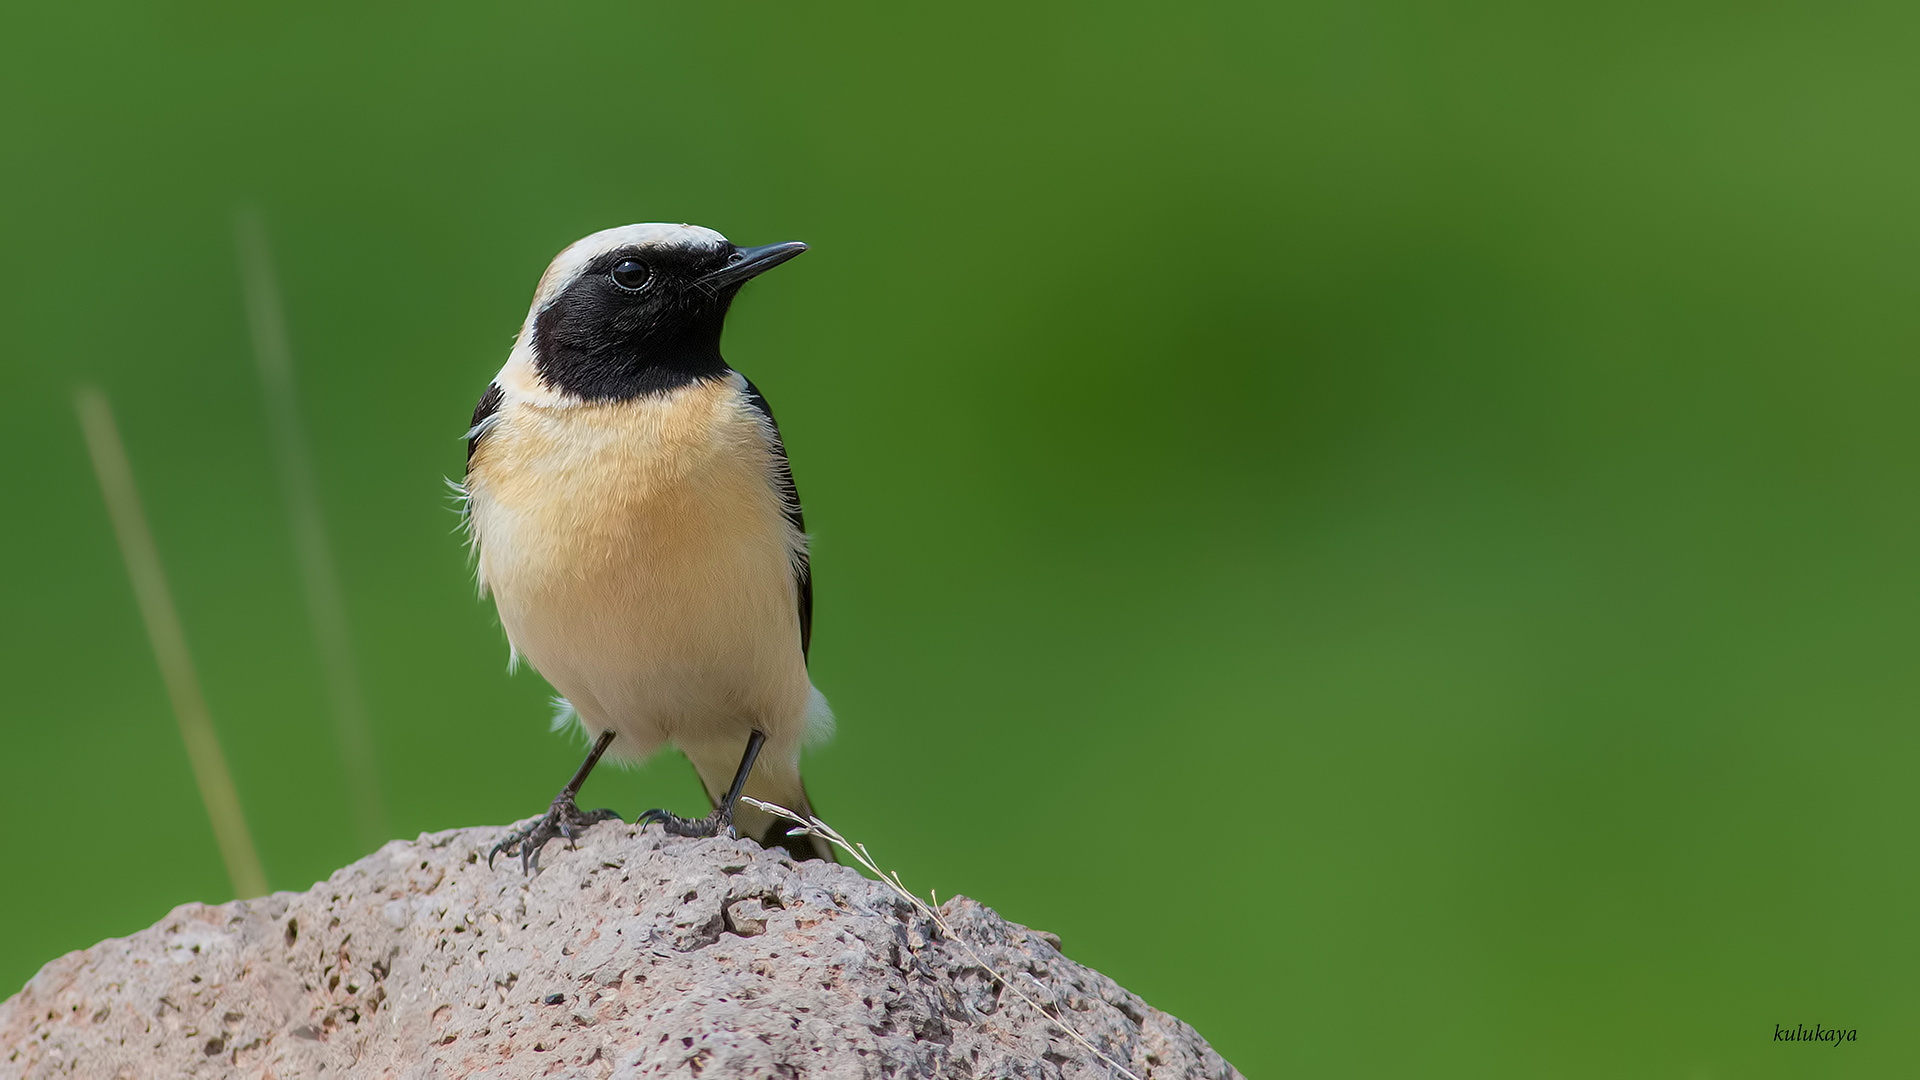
(1389, 526)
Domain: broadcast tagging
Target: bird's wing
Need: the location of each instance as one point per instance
(483, 418)
(483, 412)
(790, 498)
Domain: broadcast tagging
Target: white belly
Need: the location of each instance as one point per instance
(642, 561)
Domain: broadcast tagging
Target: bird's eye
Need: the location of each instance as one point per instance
(630, 274)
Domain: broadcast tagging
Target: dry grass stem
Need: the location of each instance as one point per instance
(859, 853)
(169, 644)
(273, 352)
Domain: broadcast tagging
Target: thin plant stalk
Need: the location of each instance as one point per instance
(169, 644)
(814, 826)
(272, 349)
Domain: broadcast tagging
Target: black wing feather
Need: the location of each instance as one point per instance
(489, 404)
(783, 471)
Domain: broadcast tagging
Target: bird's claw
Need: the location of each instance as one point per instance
(711, 825)
(563, 819)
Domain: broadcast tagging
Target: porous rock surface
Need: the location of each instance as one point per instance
(635, 954)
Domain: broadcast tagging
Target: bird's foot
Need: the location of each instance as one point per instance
(712, 825)
(563, 819)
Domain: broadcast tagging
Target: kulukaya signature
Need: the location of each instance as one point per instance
(1836, 1036)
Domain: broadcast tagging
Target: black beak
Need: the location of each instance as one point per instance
(751, 262)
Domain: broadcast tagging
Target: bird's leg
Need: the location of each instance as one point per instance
(562, 819)
(722, 816)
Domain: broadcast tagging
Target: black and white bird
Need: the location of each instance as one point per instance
(635, 519)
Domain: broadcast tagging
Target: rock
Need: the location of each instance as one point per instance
(636, 954)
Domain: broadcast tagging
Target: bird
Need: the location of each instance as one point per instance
(632, 512)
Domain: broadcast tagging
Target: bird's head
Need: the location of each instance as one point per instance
(639, 309)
